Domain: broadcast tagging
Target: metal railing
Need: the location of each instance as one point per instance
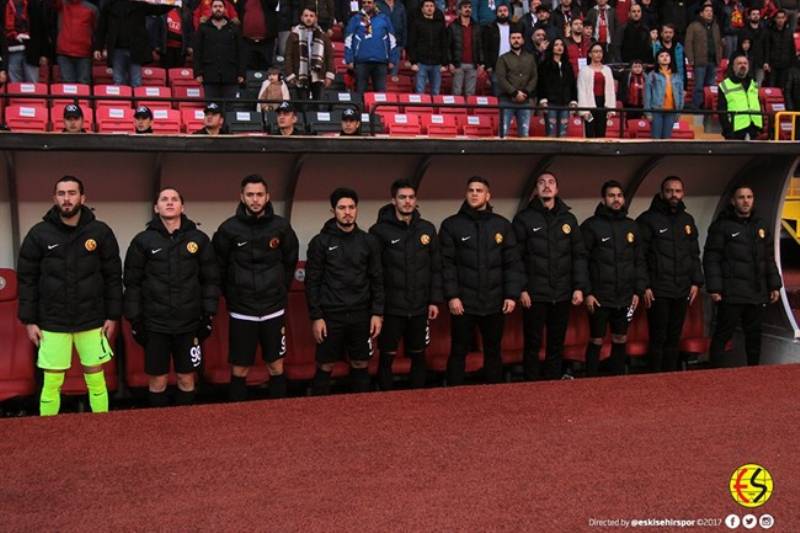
(794, 120)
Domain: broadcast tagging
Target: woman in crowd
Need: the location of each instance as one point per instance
(663, 91)
(557, 87)
(596, 90)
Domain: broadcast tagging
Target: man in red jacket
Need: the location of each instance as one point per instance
(77, 22)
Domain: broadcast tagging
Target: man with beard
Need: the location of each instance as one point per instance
(217, 55)
(344, 289)
(70, 293)
(171, 296)
(672, 254)
(617, 276)
(308, 65)
(666, 41)
(496, 41)
(482, 278)
(370, 48)
(257, 253)
(555, 260)
(411, 281)
(739, 92)
(756, 32)
(633, 40)
(741, 274)
(516, 79)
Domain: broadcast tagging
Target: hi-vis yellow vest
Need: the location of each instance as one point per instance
(740, 100)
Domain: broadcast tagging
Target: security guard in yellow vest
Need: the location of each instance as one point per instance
(739, 92)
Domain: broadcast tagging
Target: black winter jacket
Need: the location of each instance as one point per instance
(779, 49)
(257, 258)
(552, 251)
(171, 280)
(557, 82)
(456, 43)
(343, 273)
(671, 249)
(427, 40)
(124, 20)
(480, 260)
(490, 38)
(617, 267)
(70, 278)
(218, 53)
(739, 259)
(412, 263)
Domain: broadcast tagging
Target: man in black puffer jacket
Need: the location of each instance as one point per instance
(428, 47)
(412, 282)
(672, 254)
(257, 254)
(70, 293)
(555, 260)
(617, 275)
(171, 295)
(482, 277)
(344, 289)
(741, 274)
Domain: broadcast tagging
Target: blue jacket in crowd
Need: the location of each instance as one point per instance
(398, 17)
(655, 87)
(678, 58)
(379, 46)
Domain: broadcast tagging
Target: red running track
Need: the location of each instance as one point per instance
(531, 457)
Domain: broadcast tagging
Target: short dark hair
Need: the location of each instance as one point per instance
(547, 173)
(741, 186)
(753, 9)
(478, 179)
(309, 8)
(254, 178)
(671, 66)
(223, 2)
(610, 184)
(162, 189)
(668, 179)
(402, 184)
(66, 179)
(668, 25)
(426, 1)
(781, 11)
(343, 192)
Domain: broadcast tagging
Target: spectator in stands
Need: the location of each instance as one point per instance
(427, 47)
(529, 20)
(672, 254)
(516, 78)
(780, 50)
(202, 12)
(172, 36)
(649, 14)
(27, 39)
(122, 38)
(345, 294)
(667, 42)
(218, 55)
(631, 89)
(745, 49)
(286, 117)
(398, 15)
(274, 90)
(739, 92)
(663, 91)
(617, 276)
(309, 64)
(73, 119)
(741, 274)
(540, 45)
(562, 17)
(257, 253)
(703, 51)
(496, 42)
(351, 123)
(555, 260)
(370, 47)
(557, 87)
(482, 278)
(412, 282)
(259, 27)
(465, 50)
(603, 20)
(633, 41)
(577, 46)
(70, 294)
(143, 120)
(485, 11)
(171, 295)
(791, 91)
(596, 90)
(76, 22)
(757, 33)
(674, 12)
(213, 121)
(732, 21)
(325, 10)
(288, 15)
(544, 22)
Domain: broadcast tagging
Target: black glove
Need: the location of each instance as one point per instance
(206, 327)
(139, 333)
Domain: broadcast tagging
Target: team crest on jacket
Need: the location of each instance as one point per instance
(688, 229)
(91, 245)
(630, 237)
(274, 242)
(425, 239)
(192, 247)
(762, 233)
(567, 229)
(498, 238)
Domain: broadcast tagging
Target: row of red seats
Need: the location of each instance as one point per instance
(156, 76)
(17, 353)
(106, 119)
(120, 95)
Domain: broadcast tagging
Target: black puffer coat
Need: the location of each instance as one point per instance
(257, 258)
(617, 267)
(552, 250)
(70, 277)
(480, 260)
(412, 263)
(739, 259)
(171, 280)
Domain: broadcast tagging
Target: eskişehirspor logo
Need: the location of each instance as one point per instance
(751, 485)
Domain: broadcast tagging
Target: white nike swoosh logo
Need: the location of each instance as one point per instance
(155, 251)
(735, 234)
(537, 229)
(604, 239)
(240, 244)
(332, 248)
(466, 238)
(51, 246)
(663, 230)
(395, 241)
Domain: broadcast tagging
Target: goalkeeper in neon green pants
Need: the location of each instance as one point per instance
(70, 294)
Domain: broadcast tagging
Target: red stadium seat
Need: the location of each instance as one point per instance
(114, 91)
(26, 118)
(682, 130)
(440, 125)
(102, 75)
(192, 119)
(693, 337)
(194, 96)
(483, 101)
(402, 124)
(412, 98)
(613, 128)
(477, 126)
(24, 90)
(637, 128)
(135, 375)
(154, 76)
(166, 121)
(379, 98)
(69, 92)
(57, 116)
(538, 126)
(710, 95)
(16, 351)
(578, 335)
(448, 99)
(403, 84)
(115, 120)
(142, 93)
(182, 77)
(439, 349)
(513, 338)
(575, 128)
(74, 383)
